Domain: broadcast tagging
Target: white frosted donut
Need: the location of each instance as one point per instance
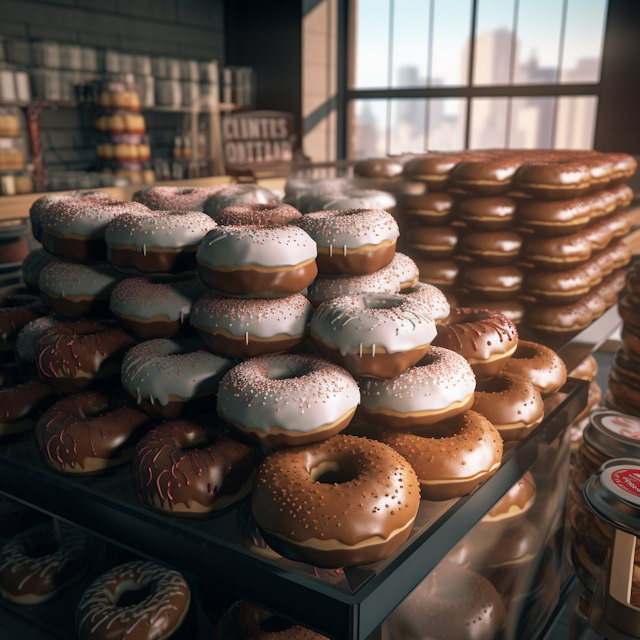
(433, 301)
(233, 194)
(439, 387)
(352, 241)
(406, 269)
(176, 198)
(253, 260)
(373, 335)
(382, 281)
(288, 400)
(246, 328)
(352, 198)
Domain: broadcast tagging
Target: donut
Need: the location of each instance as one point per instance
(87, 433)
(629, 309)
(450, 458)
(41, 563)
(233, 194)
(355, 502)
(262, 214)
(513, 504)
(28, 336)
(324, 289)
(495, 282)
(511, 403)
(441, 273)
(288, 400)
(74, 230)
(32, 266)
(427, 209)
(564, 252)
(493, 247)
(300, 192)
(257, 261)
(567, 217)
(163, 613)
(538, 364)
(176, 198)
(406, 270)
(450, 603)
(624, 394)
(439, 387)
(484, 339)
(158, 243)
(244, 621)
(82, 355)
(633, 279)
(379, 336)
(431, 299)
(192, 468)
(626, 368)
(170, 377)
(248, 328)
(151, 309)
(16, 311)
(77, 290)
(352, 241)
(41, 205)
(594, 398)
(22, 404)
(382, 169)
(432, 243)
(512, 309)
(486, 214)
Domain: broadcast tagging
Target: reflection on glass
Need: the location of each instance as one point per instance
(447, 124)
(408, 119)
(488, 126)
(369, 130)
(538, 41)
(494, 38)
(575, 122)
(451, 33)
(371, 48)
(531, 123)
(410, 43)
(583, 38)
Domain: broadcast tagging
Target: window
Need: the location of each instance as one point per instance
(452, 74)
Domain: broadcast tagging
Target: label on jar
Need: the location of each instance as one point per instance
(624, 482)
(619, 423)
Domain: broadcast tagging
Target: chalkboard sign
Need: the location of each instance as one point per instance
(257, 137)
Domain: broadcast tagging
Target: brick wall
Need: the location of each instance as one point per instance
(174, 28)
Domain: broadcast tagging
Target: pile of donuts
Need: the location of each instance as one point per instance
(624, 378)
(531, 234)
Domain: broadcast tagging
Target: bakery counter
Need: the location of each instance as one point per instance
(227, 551)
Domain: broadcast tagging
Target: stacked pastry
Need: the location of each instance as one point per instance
(532, 234)
(624, 377)
(586, 370)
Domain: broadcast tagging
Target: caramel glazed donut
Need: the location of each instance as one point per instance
(162, 614)
(251, 327)
(440, 387)
(191, 468)
(379, 336)
(450, 458)
(340, 503)
(36, 565)
(538, 364)
(352, 241)
(257, 261)
(288, 400)
(486, 340)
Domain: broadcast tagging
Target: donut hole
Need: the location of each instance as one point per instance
(335, 472)
(381, 302)
(268, 623)
(287, 370)
(39, 548)
(525, 351)
(132, 594)
(498, 384)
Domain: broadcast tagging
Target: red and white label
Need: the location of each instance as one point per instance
(624, 482)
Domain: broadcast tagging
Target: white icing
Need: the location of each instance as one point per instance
(404, 267)
(228, 246)
(260, 318)
(393, 322)
(238, 194)
(383, 281)
(352, 198)
(430, 298)
(447, 378)
(69, 278)
(295, 393)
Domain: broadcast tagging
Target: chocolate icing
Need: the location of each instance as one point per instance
(499, 282)
(489, 214)
(88, 432)
(429, 208)
(432, 243)
(15, 312)
(586, 370)
(515, 503)
(629, 309)
(28, 336)
(192, 467)
(493, 247)
(633, 279)
(22, 404)
(380, 498)
(383, 168)
(441, 273)
(538, 364)
(76, 356)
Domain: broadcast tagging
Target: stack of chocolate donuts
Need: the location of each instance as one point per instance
(532, 234)
(624, 377)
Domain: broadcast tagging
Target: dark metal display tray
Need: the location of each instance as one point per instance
(346, 605)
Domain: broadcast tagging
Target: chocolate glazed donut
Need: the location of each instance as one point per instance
(21, 405)
(86, 433)
(538, 364)
(192, 468)
(76, 356)
(162, 614)
(15, 313)
(486, 340)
